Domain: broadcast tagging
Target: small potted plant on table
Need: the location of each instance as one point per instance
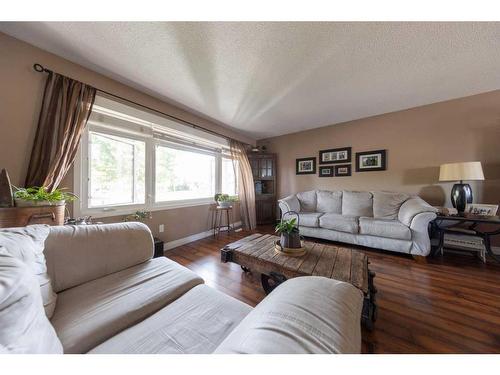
(224, 200)
(289, 232)
(40, 196)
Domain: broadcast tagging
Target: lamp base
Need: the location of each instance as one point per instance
(461, 194)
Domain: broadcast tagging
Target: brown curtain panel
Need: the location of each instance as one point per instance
(66, 108)
(246, 192)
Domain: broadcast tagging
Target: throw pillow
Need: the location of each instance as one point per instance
(27, 244)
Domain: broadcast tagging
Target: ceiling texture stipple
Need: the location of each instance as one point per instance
(268, 79)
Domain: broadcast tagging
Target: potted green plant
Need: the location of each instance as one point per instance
(289, 233)
(138, 216)
(40, 196)
(224, 200)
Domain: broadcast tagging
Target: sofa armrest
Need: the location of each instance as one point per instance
(81, 253)
(411, 208)
(303, 315)
(290, 203)
(420, 233)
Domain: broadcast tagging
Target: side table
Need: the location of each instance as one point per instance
(457, 224)
(218, 215)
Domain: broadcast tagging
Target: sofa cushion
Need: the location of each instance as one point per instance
(329, 201)
(27, 244)
(386, 204)
(307, 200)
(90, 313)
(302, 315)
(309, 219)
(24, 327)
(357, 203)
(196, 323)
(340, 223)
(80, 253)
(384, 228)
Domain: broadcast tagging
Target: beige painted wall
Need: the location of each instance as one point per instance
(21, 91)
(417, 141)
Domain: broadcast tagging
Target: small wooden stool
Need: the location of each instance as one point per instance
(218, 214)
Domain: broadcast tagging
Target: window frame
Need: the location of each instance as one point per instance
(81, 175)
(183, 202)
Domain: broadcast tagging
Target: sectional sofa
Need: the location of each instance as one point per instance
(383, 220)
(96, 289)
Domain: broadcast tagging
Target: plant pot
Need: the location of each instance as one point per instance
(290, 240)
(26, 203)
(224, 204)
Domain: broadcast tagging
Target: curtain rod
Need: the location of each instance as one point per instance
(41, 69)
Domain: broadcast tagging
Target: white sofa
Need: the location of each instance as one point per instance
(383, 220)
(107, 295)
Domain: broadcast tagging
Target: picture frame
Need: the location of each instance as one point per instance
(326, 171)
(335, 155)
(343, 170)
(305, 166)
(368, 161)
(481, 209)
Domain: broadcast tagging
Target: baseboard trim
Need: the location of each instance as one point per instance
(194, 237)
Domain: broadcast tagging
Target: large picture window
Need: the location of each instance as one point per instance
(133, 160)
(182, 175)
(116, 170)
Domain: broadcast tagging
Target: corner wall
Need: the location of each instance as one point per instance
(417, 141)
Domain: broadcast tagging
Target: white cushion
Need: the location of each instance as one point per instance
(195, 323)
(307, 200)
(24, 327)
(386, 205)
(384, 228)
(357, 203)
(341, 223)
(27, 244)
(309, 219)
(329, 201)
(80, 253)
(89, 314)
(302, 315)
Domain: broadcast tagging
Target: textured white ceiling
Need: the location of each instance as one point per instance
(267, 79)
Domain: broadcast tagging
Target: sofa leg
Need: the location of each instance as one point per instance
(420, 259)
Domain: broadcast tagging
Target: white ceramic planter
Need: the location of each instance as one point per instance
(224, 204)
(25, 203)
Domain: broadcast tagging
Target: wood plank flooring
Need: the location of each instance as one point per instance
(449, 305)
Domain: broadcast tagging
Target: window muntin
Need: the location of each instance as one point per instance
(183, 174)
(116, 170)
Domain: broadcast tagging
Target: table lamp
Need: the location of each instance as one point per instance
(461, 193)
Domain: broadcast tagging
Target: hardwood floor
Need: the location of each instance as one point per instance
(450, 304)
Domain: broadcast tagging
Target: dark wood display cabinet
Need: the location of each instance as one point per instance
(264, 177)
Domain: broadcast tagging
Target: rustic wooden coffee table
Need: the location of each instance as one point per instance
(257, 253)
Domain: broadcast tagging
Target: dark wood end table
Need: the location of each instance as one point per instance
(257, 253)
(467, 225)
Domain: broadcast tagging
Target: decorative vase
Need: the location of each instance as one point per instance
(224, 204)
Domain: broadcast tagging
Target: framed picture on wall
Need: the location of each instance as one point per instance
(326, 171)
(369, 161)
(335, 155)
(305, 166)
(342, 170)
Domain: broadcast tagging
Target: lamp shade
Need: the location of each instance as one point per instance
(466, 171)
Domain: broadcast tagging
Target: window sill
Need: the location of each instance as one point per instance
(127, 210)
